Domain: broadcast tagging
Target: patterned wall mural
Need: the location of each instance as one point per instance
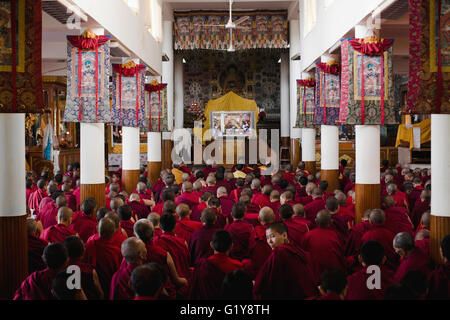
(252, 74)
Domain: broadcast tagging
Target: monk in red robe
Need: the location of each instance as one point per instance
(439, 280)
(241, 232)
(60, 231)
(77, 193)
(144, 231)
(372, 254)
(103, 254)
(222, 218)
(236, 193)
(36, 247)
(37, 196)
(210, 272)
(185, 226)
(296, 229)
(316, 205)
(299, 215)
(134, 253)
(383, 235)
(28, 189)
(89, 277)
(422, 205)
(399, 197)
(187, 196)
(111, 191)
(397, 219)
(275, 203)
(422, 241)
(147, 281)
(286, 275)
(203, 204)
(412, 258)
(71, 200)
(51, 189)
(333, 285)
(338, 222)
(154, 219)
(120, 235)
(210, 184)
(325, 246)
(38, 285)
(138, 207)
(226, 203)
(199, 245)
(354, 241)
(143, 192)
(48, 215)
(85, 222)
(126, 219)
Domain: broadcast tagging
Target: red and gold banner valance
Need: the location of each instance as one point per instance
(307, 82)
(199, 30)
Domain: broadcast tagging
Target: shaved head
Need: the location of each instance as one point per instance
(143, 229)
(222, 191)
(404, 240)
(208, 216)
(114, 187)
(116, 203)
(377, 216)
(266, 215)
(154, 218)
(422, 234)
(115, 218)
(32, 226)
(187, 186)
(323, 218)
(299, 210)
(65, 215)
(133, 250)
(141, 187)
(425, 219)
(106, 228)
(183, 210)
(135, 197)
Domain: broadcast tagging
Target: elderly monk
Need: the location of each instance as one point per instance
(154, 219)
(199, 244)
(139, 209)
(379, 232)
(188, 196)
(59, 232)
(287, 197)
(226, 203)
(399, 197)
(286, 275)
(439, 280)
(48, 215)
(296, 228)
(71, 200)
(325, 246)
(412, 258)
(241, 232)
(143, 192)
(36, 247)
(126, 219)
(89, 277)
(372, 253)
(103, 254)
(275, 203)
(148, 281)
(120, 234)
(37, 286)
(422, 241)
(261, 250)
(338, 222)
(114, 189)
(422, 205)
(317, 204)
(262, 199)
(299, 215)
(52, 187)
(85, 222)
(143, 229)
(397, 219)
(115, 203)
(222, 218)
(166, 195)
(134, 253)
(37, 196)
(185, 226)
(210, 272)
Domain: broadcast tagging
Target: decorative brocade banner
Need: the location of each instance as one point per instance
(88, 71)
(429, 38)
(21, 56)
(128, 96)
(366, 76)
(156, 104)
(306, 103)
(327, 96)
(265, 29)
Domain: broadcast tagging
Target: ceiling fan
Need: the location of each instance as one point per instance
(230, 25)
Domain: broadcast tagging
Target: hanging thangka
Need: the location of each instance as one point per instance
(367, 92)
(128, 97)
(21, 56)
(327, 94)
(156, 102)
(88, 71)
(429, 63)
(306, 90)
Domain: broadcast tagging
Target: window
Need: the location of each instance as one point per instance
(133, 4)
(156, 19)
(309, 16)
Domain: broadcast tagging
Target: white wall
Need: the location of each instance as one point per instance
(129, 28)
(331, 25)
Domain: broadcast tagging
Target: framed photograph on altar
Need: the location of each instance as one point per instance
(232, 124)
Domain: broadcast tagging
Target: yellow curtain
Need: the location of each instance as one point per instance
(406, 134)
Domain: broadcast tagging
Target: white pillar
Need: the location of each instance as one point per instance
(167, 69)
(130, 148)
(179, 90)
(440, 165)
(329, 148)
(12, 165)
(92, 153)
(154, 146)
(284, 95)
(294, 74)
(367, 157)
(308, 144)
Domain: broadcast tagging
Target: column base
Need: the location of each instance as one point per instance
(367, 196)
(310, 166)
(14, 254)
(96, 191)
(331, 176)
(295, 152)
(130, 178)
(439, 228)
(153, 171)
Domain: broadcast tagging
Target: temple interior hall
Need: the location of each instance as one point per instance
(224, 149)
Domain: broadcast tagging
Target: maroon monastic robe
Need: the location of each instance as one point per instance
(188, 198)
(417, 260)
(199, 245)
(296, 231)
(37, 286)
(48, 215)
(87, 278)
(357, 285)
(139, 209)
(185, 227)
(384, 236)
(120, 282)
(57, 233)
(84, 225)
(226, 204)
(243, 236)
(197, 211)
(35, 199)
(439, 283)
(36, 248)
(397, 220)
(178, 249)
(354, 240)
(77, 194)
(286, 275)
(313, 208)
(71, 201)
(419, 209)
(260, 251)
